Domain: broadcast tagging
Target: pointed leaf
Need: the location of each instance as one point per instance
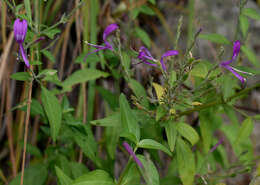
(152, 144)
(128, 119)
(250, 55)
(188, 132)
(216, 38)
(186, 162)
(53, 111)
(245, 130)
(149, 172)
(63, 178)
(252, 13)
(96, 177)
(33, 175)
(82, 76)
(171, 133)
(244, 24)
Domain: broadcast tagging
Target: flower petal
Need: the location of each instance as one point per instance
(236, 49)
(25, 59)
(149, 63)
(226, 63)
(130, 151)
(109, 29)
(20, 30)
(166, 54)
(242, 79)
(144, 54)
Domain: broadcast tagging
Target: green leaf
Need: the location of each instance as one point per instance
(200, 70)
(250, 55)
(112, 137)
(257, 117)
(83, 136)
(132, 176)
(49, 55)
(82, 76)
(143, 36)
(150, 173)
(128, 119)
(109, 97)
(188, 132)
(250, 70)
(77, 169)
(110, 121)
(252, 13)
(216, 38)
(51, 33)
(33, 175)
(18, 7)
(53, 111)
(21, 76)
(126, 61)
(152, 144)
(33, 150)
(172, 78)
(146, 10)
(35, 62)
(227, 85)
(129, 136)
(95, 177)
(139, 91)
(171, 133)
(186, 162)
(152, 1)
(63, 178)
(244, 24)
(27, 5)
(245, 130)
(160, 112)
(206, 133)
(47, 72)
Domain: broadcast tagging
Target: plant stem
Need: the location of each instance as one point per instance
(190, 21)
(124, 172)
(26, 129)
(218, 102)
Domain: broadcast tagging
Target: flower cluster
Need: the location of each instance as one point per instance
(145, 56)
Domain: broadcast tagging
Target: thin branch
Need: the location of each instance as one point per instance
(26, 129)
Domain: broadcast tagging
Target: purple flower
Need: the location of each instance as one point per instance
(130, 151)
(225, 64)
(109, 29)
(145, 56)
(20, 30)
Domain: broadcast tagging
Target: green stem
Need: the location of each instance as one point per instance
(126, 169)
(218, 102)
(190, 23)
(93, 39)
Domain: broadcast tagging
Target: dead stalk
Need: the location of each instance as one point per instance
(26, 129)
